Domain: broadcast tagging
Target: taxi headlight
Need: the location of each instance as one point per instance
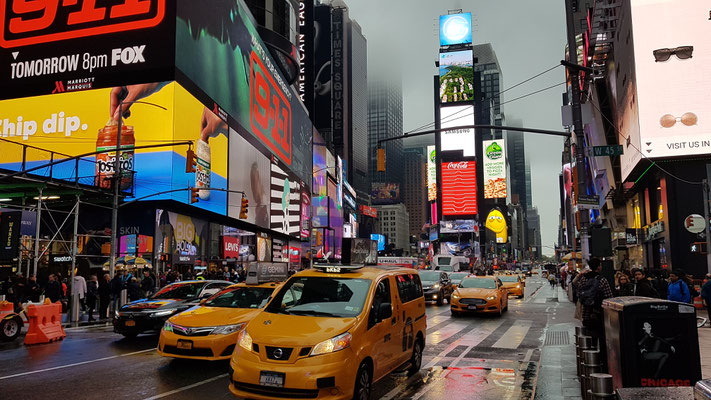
(163, 313)
(334, 344)
(227, 329)
(245, 341)
(518, 286)
(168, 327)
(436, 286)
(491, 297)
(455, 295)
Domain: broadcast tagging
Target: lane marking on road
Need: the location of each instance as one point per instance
(529, 353)
(514, 335)
(78, 328)
(184, 388)
(446, 332)
(75, 364)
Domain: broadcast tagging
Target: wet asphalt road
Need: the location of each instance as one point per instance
(465, 358)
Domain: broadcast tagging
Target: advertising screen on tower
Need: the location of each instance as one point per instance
(385, 193)
(431, 174)
(494, 169)
(455, 29)
(668, 117)
(459, 188)
(456, 76)
(458, 139)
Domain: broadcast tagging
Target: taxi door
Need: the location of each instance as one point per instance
(407, 310)
(380, 335)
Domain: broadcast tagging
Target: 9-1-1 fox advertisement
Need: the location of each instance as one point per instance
(73, 124)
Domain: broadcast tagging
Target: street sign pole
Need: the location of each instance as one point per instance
(707, 230)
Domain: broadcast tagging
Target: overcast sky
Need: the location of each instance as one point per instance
(527, 36)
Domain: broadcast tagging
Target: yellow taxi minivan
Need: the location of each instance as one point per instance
(209, 331)
(330, 332)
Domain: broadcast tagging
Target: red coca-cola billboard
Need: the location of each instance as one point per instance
(459, 188)
(230, 247)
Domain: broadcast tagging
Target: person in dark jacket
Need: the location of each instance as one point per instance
(104, 295)
(117, 285)
(92, 294)
(706, 295)
(32, 290)
(678, 290)
(53, 289)
(642, 285)
(147, 283)
(134, 290)
(624, 287)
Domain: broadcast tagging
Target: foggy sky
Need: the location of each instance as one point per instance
(527, 36)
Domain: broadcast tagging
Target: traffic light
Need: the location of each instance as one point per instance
(190, 161)
(164, 257)
(319, 238)
(243, 209)
(194, 195)
(381, 160)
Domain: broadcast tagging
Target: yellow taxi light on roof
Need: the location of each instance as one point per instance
(337, 269)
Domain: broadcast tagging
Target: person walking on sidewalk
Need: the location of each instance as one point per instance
(642, 285)
(623, 287)
(104, 296)
(551, 280)
(592, 289)
(706, 295)
(92, 294)
(147, 283)
(79, 290)
(678, 290)
(53, 289)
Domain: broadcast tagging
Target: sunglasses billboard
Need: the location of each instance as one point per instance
(681, 52)
(688, 119)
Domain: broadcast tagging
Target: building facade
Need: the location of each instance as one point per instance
(394, 223)
(415, 189)
(385, 121)
(487, 65)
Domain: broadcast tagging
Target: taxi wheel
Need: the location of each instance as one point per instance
(416, 360)
(456, 314)
(363, 382)
(501, 308)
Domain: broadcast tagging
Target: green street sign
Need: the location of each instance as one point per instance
(613, 150)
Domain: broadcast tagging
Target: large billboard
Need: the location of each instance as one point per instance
(431, 173)
(249, 174)
(674, 111)
(77, 123)
(218, 49)
(385, 193)
(458, 139)
(63, 46)
(494, 169)
(458, 226)
(456, 76)
(459, 188)
(455, 29)
(285, 201)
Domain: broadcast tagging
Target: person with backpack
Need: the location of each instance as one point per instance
(642, 286)
(677, 289)
(592, 289)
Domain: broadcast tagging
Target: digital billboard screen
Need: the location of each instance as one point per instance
(385, 193)
(458, 139)
(64, 46)
(455, 29)
(76, 123)
(456, 76)
(667, 117)
(431, 173)
(380, 239)
(457, 226)
(459, 188)
(494, 169)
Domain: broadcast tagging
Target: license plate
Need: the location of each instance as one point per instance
(471, 307)
(130, 323)
(185, 344)
(274, 379)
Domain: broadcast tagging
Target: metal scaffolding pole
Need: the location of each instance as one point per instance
(74, 312)
(37, 230)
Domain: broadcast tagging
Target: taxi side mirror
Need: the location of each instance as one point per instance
(385, 311)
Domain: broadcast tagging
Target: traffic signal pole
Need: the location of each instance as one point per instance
(577, 127)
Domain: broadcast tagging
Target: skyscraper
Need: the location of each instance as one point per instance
(491, 82)
(385, 121)
(415, 188)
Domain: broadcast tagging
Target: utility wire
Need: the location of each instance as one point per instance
(431, 124)
(640, 151)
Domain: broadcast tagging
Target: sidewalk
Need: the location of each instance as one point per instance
(557, 374)
(705, 348)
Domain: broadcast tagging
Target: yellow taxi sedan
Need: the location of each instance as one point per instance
(209, 332)
(480, 294)
(514, 284)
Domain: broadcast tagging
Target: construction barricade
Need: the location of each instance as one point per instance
(45, 323)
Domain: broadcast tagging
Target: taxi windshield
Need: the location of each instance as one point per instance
(458, 276)
(321, 297)
(478, 283)
(241, 297)
(508, 278)
(179, 291)
(429, 275)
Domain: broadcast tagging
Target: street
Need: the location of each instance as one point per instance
(473, 357)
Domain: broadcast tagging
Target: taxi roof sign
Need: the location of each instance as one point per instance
(263, 272)
(336, 268)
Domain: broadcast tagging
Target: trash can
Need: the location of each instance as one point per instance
(651, 342)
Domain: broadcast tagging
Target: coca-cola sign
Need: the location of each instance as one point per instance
(459, 188)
